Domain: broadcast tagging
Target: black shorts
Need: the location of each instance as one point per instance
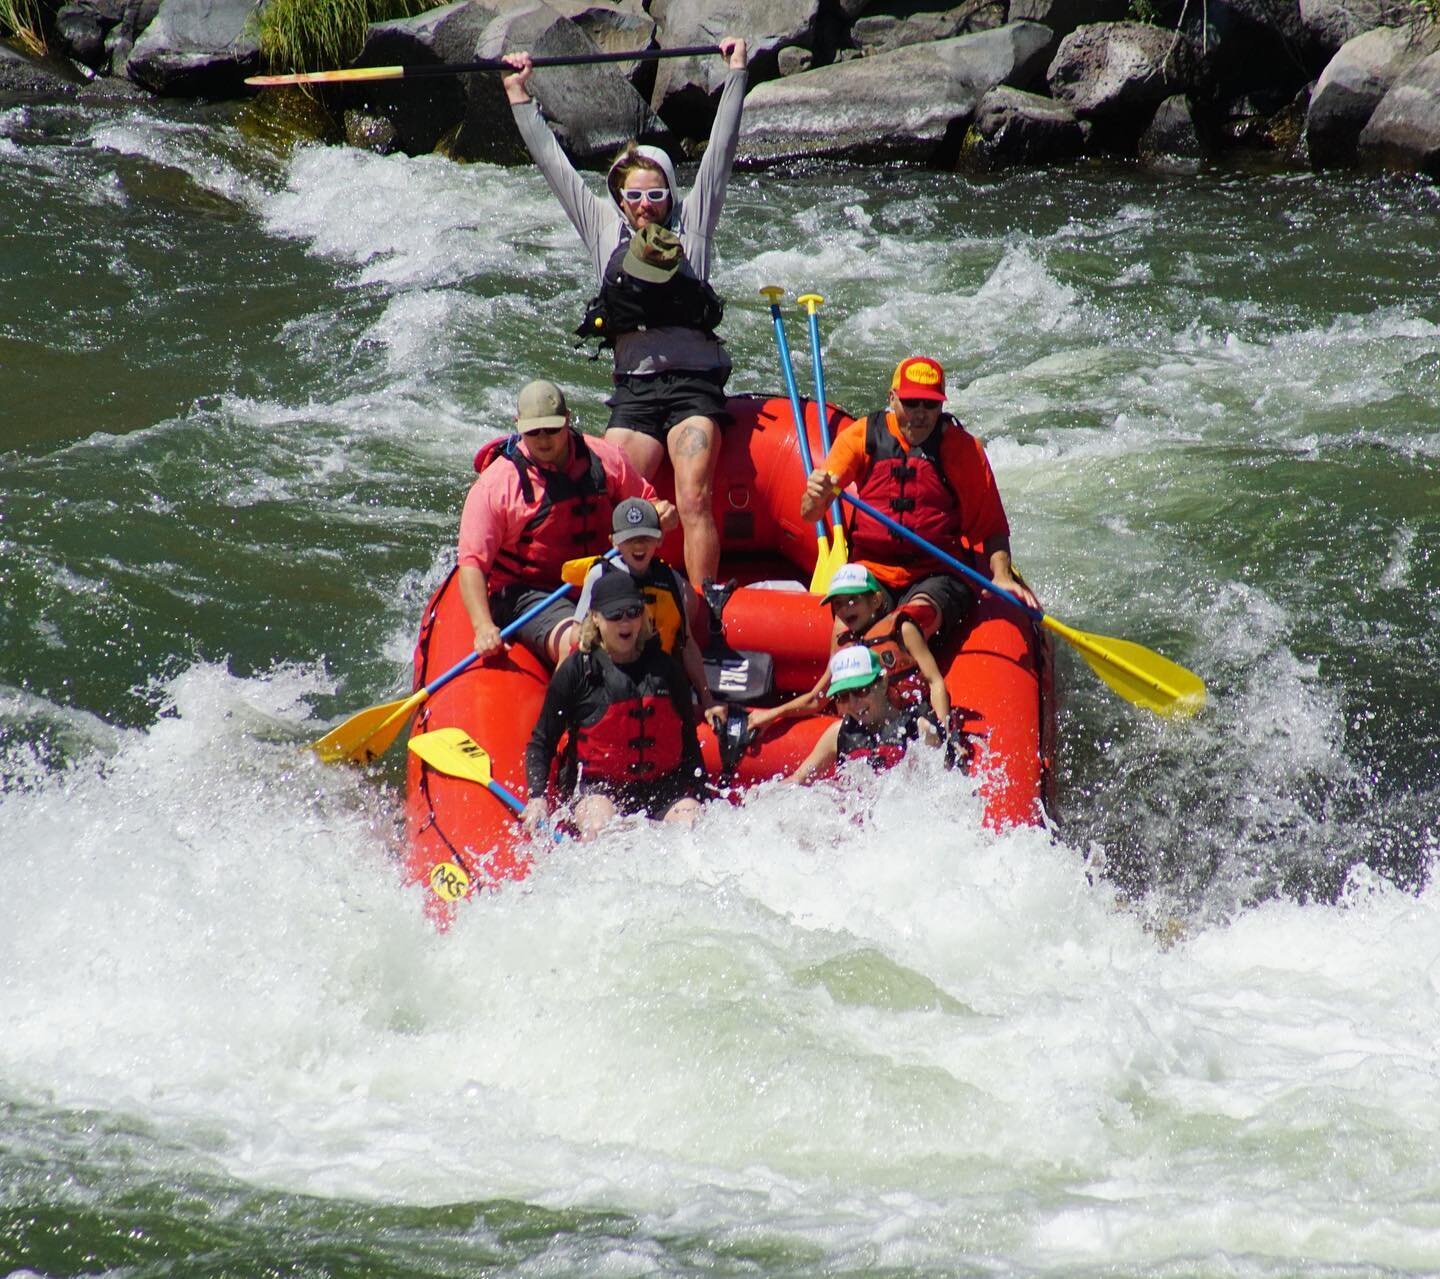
(953, 597)
(653, 799)
(510, 602)
(652, 405)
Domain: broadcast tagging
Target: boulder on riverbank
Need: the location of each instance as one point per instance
(1353, 85)
(862, 80)
(593, 109)
(914, 103)
(197, 48)
(1014, 128)
(1404, 132)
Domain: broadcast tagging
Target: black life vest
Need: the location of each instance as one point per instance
(912, 489)
(882, 747)
(572, 519)
(664, 600)
(639, 735)
(627, 305)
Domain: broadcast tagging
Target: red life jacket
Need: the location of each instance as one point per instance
(882, 747)
(912, 489)
(908, 687)
(573, 517)
(639, 735)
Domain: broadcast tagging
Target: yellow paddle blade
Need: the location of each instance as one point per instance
(368, 734)
(830, 556)
(328, 77)
(1139, 675)
(573, 572)
(454, 752)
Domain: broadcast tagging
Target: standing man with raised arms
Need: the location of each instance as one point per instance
(651, 254)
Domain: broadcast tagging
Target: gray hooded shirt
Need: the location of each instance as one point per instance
(601, 226)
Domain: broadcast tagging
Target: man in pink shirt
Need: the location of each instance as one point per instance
(544, 496)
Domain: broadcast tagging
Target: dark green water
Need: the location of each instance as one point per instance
(239, 391)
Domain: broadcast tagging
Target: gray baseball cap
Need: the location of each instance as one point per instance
(634, 517)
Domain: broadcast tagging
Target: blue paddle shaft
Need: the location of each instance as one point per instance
(798, 412)
(822, 406)
(465, 663)
(949, 560)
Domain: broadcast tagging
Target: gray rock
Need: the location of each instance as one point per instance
(371, 133)
(793, 60)
(883, 31)
(1334, 22)
(81, 28)
(593, 109)
(1122, 68)
(914, 103)
(687, 90)
(1063, 16)
(198, 48)
(1014, 128)
(1172, 142)
(1404, 132)
(1351, 87)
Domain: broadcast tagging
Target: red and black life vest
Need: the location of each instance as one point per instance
(627, 305)
(639, 733)
(912, 489)
(882, 747)
(573, 517)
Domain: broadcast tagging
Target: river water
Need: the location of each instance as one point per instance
(1190, 1031)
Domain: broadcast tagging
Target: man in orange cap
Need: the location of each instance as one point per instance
(918, 465)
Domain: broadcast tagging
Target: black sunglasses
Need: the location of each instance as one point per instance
(911, 405)
(546, 432)
(627, 614)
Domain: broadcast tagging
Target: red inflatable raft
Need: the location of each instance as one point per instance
(997, 667)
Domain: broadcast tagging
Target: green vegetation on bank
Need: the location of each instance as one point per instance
(315, 35)
(20, 22)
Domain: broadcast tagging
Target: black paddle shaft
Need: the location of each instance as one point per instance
(564, 60)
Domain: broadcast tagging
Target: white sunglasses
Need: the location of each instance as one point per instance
(654, 194)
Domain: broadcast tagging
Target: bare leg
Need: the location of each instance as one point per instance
(644, 451)
(683, 812)
(561, 642)
(694, 446)
(591, 814)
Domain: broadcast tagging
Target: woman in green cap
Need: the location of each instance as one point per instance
(871, 728)
(900, 638)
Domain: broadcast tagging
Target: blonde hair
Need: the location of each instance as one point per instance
(628, 160)
(590, 631)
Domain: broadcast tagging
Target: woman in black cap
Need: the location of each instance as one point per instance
(627, 708)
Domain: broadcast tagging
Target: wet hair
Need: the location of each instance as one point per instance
(628, 160)
(590, 632)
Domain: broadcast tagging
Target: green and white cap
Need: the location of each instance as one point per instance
(853, 666)
(850, 579)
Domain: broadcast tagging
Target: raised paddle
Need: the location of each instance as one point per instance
(1140, 676)
(353, 74)
(839, 551)
(825, 563)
